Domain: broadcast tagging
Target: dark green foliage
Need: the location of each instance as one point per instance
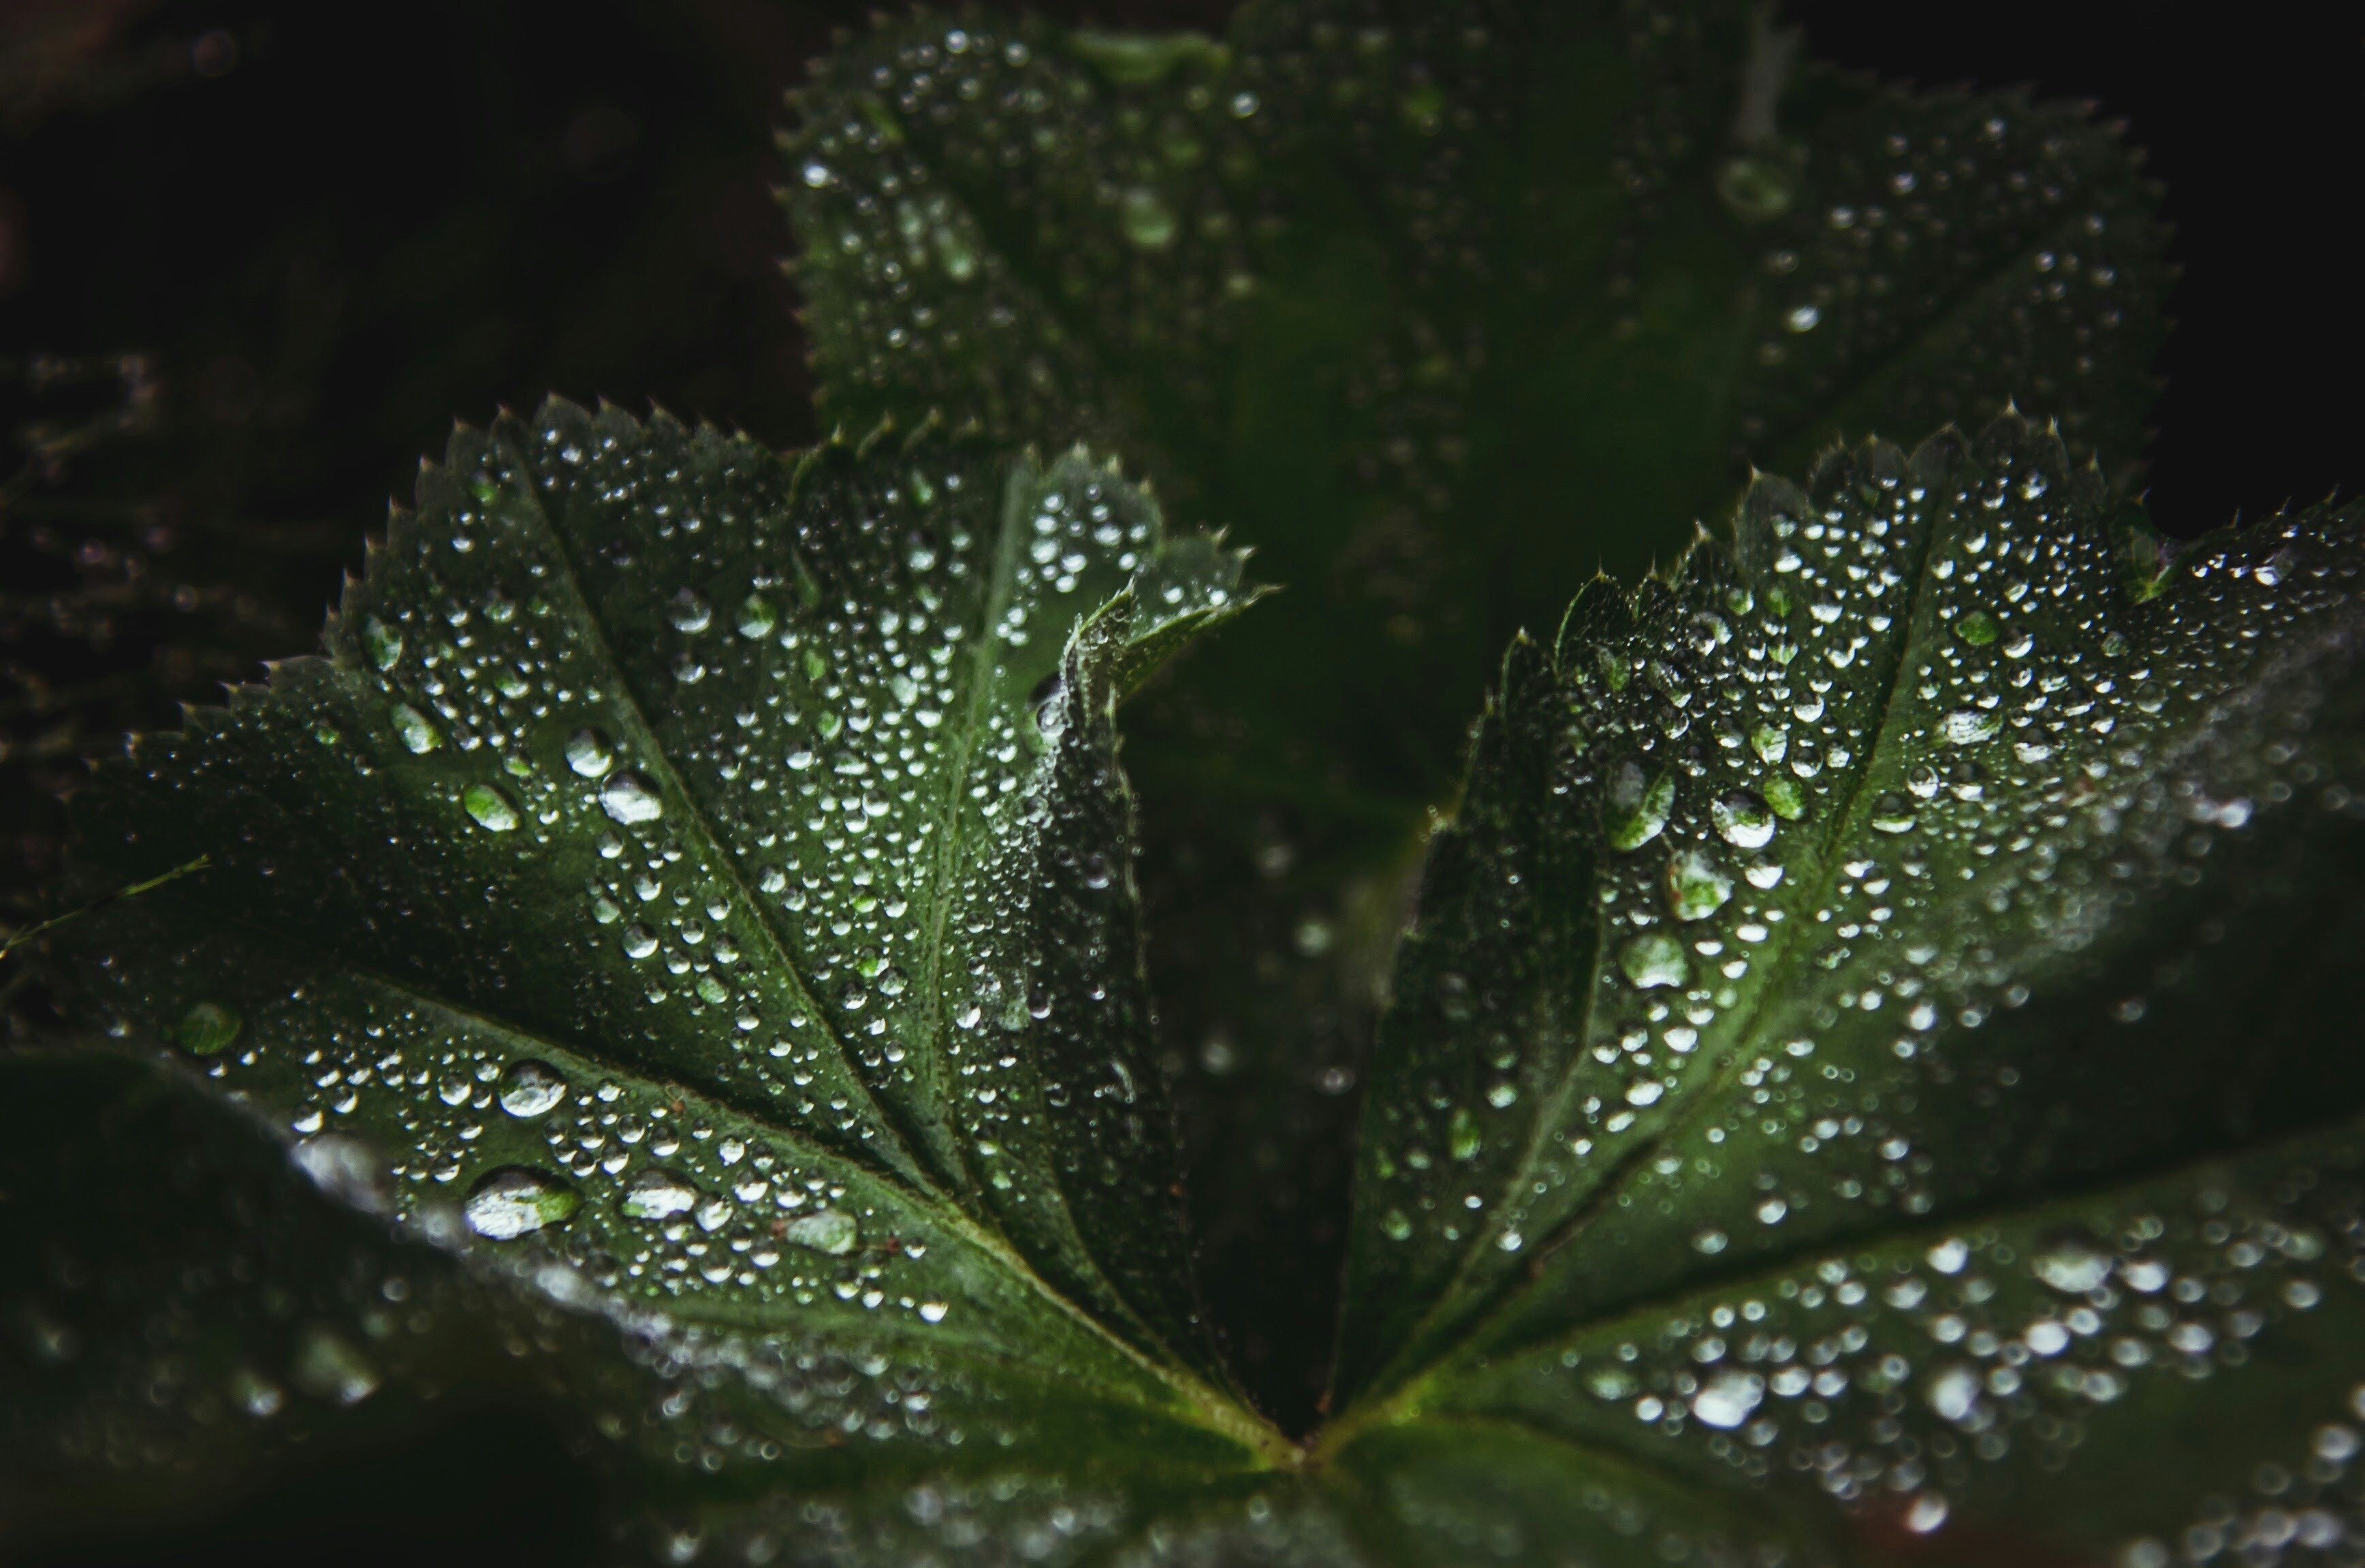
(1852, 1044)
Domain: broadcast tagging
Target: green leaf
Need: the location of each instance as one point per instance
(1836, 940)
(698, 884)
(1440, 308)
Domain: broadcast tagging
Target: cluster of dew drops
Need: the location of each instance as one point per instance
(1724, 741)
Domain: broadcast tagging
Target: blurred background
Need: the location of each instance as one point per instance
(255, 258)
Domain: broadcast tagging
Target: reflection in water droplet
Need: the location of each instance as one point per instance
(489, 807)
(420, 737)
(382, 641)
(1727, 1399)
(1654, 958)
(530, 1089)
(1969, 726)
(630, 799)
(824, 1230)
(1637, 806)
(1892, 812)
(590, 755)
(1697, 886)
(757, 617)
(510, 1203)
(691, 613)
(658, 1195)
(208, 1028)
(1744, 819)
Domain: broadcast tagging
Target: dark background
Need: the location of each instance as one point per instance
(254, 257)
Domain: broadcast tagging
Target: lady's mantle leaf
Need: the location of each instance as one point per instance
(1442, 307)
(1818, 916)
(704, 880)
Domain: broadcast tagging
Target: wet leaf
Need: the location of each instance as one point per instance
(1439, 307)
(1894, 1125)
(698, 884)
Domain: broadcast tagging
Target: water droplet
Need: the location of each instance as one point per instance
(1463, 1136)
(631, 799)
(382, 641)
(1955, 1392)
(1977, 628)
(639, 941)
(1769, 742)
(1926, 1513)
(509, 1202)
(1803, 318)
(657, 1193)
(824, 1230)
(1697, 886)
(326, 1367)
(691, 613)
(1637, 806)
(1654, 958)
(1744, 819)
(1394, 1225)
(757, 617)
(1727, 1398)
(208, 1028)
(590, 755)
(2071, 1262)
(1969, 726)
(532, 1089)
(1892, 812)
(1145, 219)
(489, 807)
(419, 734)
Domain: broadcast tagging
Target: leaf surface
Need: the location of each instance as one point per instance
(1441, 307)
(1837, 939)
(699, 884)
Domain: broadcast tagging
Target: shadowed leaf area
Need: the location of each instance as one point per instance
(1438, 308)
(1852, 1047)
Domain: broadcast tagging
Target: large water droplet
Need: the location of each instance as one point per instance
(510, 1203)
(1145, 219)
(657, 1193)
(419, 734)
(630, 799)
(1654, 958)
(381, 642)
(208, 1028)
(1744, 819)
(1969, 726)
(824, 1230)
(532, 1089)
(590, 755)
(1637, 806)
(489, 807)
(1727, 1398)
(2071, 1262)
(1697, 886)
